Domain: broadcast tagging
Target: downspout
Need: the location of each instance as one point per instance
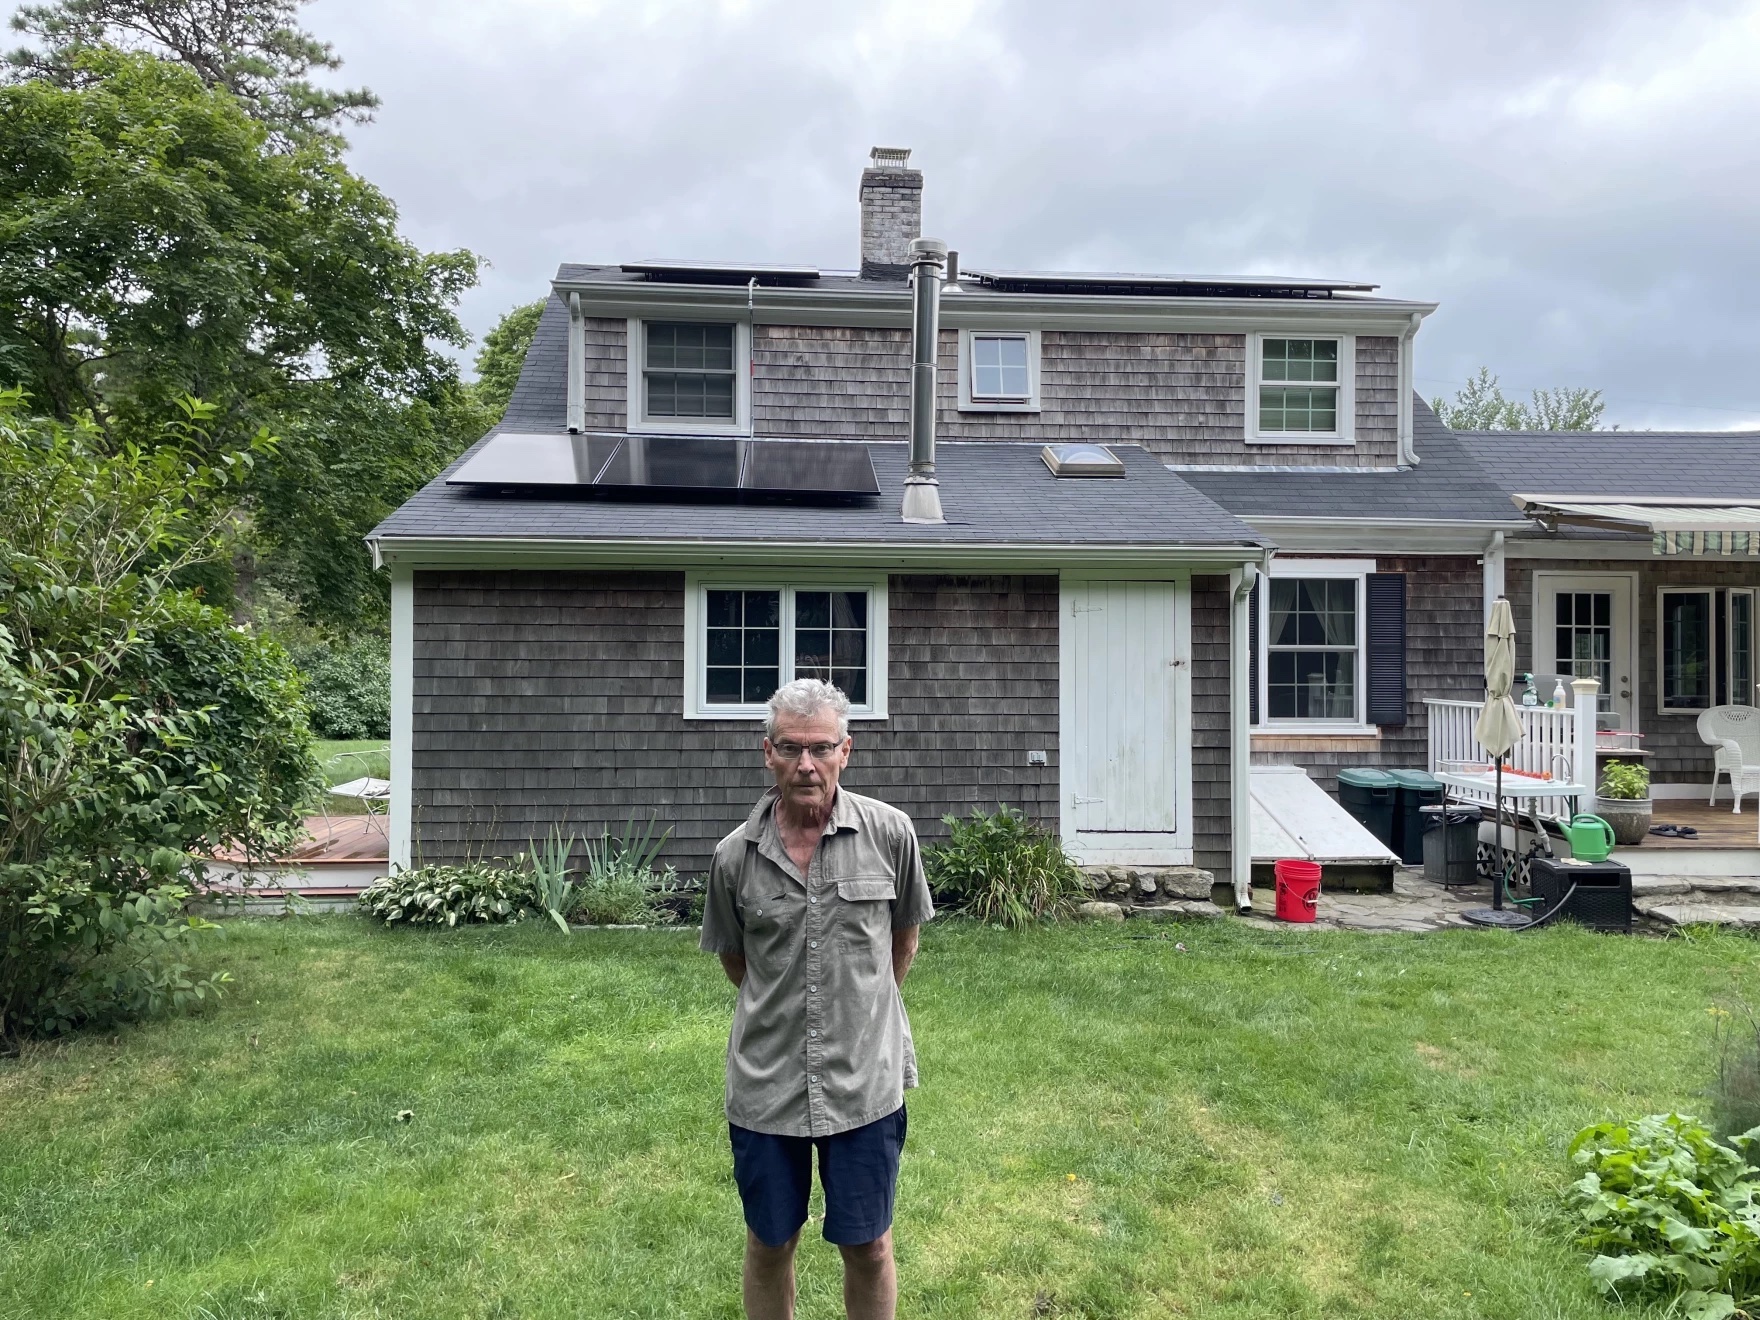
(1408, 447)
(1240, 754)
(577, 365)
(922, 493)
(1493, 564)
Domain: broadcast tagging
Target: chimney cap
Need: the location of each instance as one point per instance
(889, 158)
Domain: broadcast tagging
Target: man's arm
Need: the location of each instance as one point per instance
(904, 952)
(734, 964)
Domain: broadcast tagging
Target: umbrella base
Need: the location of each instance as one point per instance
(1500, 917)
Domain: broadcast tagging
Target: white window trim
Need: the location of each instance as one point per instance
(1719, 657)
(1351, 570)
(967, 403)
(635, 414)
(1747, 698)
(787, 581)
(1347, 393)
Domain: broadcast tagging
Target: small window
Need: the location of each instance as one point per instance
(999, 371)
(1300, 390)
(1312, 650)
(689, 371)
(745, 640)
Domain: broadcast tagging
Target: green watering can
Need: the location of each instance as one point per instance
(1591, 838)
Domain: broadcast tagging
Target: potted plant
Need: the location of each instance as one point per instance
(1624, 800)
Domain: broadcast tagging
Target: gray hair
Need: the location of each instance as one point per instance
(806, 697)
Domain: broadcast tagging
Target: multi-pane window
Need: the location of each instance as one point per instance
(999, 367)
(688, 371)
(1299, 385)
(1582, 639)
(1706, 647)
(1311, 649)
(755, 640)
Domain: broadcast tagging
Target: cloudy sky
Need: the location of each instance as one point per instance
(1578, 184)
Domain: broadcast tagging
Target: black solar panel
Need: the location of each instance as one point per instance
(720, 272)
(699, 464)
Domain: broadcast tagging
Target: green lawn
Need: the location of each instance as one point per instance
(1267, 1124)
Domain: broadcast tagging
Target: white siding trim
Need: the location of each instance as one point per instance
(403, 691)
(635, 402)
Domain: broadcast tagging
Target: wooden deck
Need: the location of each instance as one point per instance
(1718, 826)
(336, 841)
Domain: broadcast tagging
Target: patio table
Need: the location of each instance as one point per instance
(1517, 788)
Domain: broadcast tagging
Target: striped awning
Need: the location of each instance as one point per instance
(1702, 528)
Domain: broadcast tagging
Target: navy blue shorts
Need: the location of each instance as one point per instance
(858, 1169)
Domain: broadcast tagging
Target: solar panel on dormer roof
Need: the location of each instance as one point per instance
(719, 272)
(1173, 286)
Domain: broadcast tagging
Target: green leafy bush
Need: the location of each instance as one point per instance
(620, 886)
(440, 895)
(1670, 1213)
(1625, 781)
(139, 730)
(348, 687)
(1001, 867)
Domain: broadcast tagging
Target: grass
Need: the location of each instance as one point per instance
(1265, 1125)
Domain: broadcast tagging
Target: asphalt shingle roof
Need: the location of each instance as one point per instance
(1448, 484)
(1656, 464)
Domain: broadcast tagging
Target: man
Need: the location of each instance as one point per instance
(814, 905)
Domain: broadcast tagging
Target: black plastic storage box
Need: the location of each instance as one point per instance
(1414, 790)
(1369, 795)
(1603, 900)
(1451, 846)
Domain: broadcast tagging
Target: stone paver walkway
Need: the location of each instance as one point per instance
(1416, 904)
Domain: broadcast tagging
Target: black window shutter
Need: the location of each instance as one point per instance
(1253, 651)
(1386, 594)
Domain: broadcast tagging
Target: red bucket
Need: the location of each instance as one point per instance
(1298, 890)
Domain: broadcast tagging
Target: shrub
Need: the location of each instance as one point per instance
(139, 730)
(620, 886)
(1670, 1213)
(552, 890)
(348, 687)
(1001, 867)
(440, 895)
(1625, 781)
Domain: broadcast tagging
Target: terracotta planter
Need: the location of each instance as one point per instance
(1630, 818)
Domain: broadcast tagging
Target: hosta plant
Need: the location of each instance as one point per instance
(439, 895)
(1670, 1214)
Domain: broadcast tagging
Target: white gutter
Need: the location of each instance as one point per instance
(1493, 561)
(1240, 735)
(1408, 447)
(403, 690)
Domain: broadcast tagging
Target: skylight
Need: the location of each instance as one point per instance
(1082, 461)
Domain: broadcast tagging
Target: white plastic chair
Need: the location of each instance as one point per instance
(1735, 732)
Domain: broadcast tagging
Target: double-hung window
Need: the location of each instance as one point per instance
(999, 370)
(1300, 389)
(688, 375)
(747, 638)
(1705, 648)
(1312, 649)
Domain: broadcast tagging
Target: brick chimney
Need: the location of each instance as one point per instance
(892, 213)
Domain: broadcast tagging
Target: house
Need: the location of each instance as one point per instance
(711, 478)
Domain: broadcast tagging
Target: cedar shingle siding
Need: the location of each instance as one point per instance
(1445, 637)
(1210, 726)
(1181, 396)
(1677, 754)
(545, 697)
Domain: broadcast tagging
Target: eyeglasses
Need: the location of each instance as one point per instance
(791, 751)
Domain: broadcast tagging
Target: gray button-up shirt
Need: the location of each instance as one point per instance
(820, 1041)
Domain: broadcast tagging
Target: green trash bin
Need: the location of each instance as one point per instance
(1370, 795)
(1416, 790)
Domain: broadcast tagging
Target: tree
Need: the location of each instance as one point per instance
(139, 730)
(503, 355)
(251, 48)
(1481, 406)
(153, 245)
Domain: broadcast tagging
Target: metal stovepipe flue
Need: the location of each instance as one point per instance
(922, 493)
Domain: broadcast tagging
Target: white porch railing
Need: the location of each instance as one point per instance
(1556, 742)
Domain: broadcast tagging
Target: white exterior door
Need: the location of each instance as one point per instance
(1583, 629)
(1126, 721)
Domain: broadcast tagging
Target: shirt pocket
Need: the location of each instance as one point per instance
(763, 913)
(864, 909)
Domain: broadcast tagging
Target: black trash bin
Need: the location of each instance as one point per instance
(1416, 790)
(1451, 846)
(1369, 795)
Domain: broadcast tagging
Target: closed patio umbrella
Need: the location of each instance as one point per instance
(1499, 728)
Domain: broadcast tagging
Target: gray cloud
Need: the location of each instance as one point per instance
(1574, 182)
